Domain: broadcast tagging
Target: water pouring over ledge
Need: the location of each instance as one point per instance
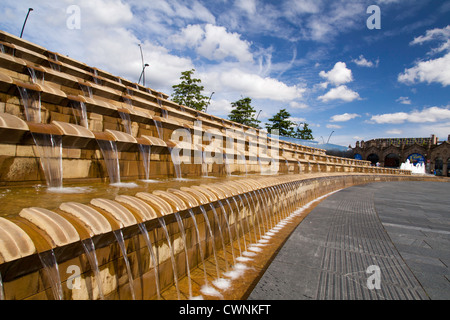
(245, 224)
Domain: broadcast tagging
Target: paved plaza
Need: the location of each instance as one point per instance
(387, 240)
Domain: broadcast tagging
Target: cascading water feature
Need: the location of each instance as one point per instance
(175, 156)
(111, 157)
(53, 57)
(204, 165)
(227, 164)
(206, 289)
(260, 165)
(119, 237)
(31, 101)
(49, 147)
(172, 255)
(34, 75)
(220, 234)
(50, 266)
(266, 208)
(146, 151)
(250, 209)
(126, 121)
(224, 213)
(89, 249)
(148, 242)
(87, 90)
(247, 218)
(238, 213)
(244, 160)
(2, 292)
(183, 236)
(159, 128)
(79, 112)
(202, 254)
(235, 225)
(255, 217)
(164, 112)
(95, 77)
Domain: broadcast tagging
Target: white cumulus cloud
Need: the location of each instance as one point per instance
(340, 74)
(214, 42)
(427, 115)
(253, 85)
(435, 70)
(340, 93)
(344, 117)
(363, 62)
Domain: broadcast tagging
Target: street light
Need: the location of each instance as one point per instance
(330, 136)
(209, 101)
(23, 27)
(258, 114)
(143, 75)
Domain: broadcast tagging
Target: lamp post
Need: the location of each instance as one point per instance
(209, 101)
(23, 27)
(330, 136)
(258, 114)
(143, 75)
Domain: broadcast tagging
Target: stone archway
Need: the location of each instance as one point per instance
(438, 166)
(448, 167)
(373, 158)
(392, 160)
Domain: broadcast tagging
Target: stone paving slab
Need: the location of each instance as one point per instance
(400, 227)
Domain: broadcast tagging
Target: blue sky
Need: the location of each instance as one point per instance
(316, 58)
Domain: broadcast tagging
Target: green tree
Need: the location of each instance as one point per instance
(305, 133)
(244, 113)
(281, 123)
(189, 92)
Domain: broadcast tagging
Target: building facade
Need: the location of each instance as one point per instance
(392, 152)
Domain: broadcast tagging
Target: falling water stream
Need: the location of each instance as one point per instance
(204, 165)
(235, 225)
(34, 76)
(202, 209)
(79, 112)
(31, 101)
(126, 121)
(228, 228)
(148, 242)
(191, 213)
(242, 222)
(146, 151)
(2, 292)
(175, 156)
(183, 236)
(216, 218)
(50, 266)
(159, 128)
(111, 157)
(172, 255)
(119, 237)
(89, 249)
